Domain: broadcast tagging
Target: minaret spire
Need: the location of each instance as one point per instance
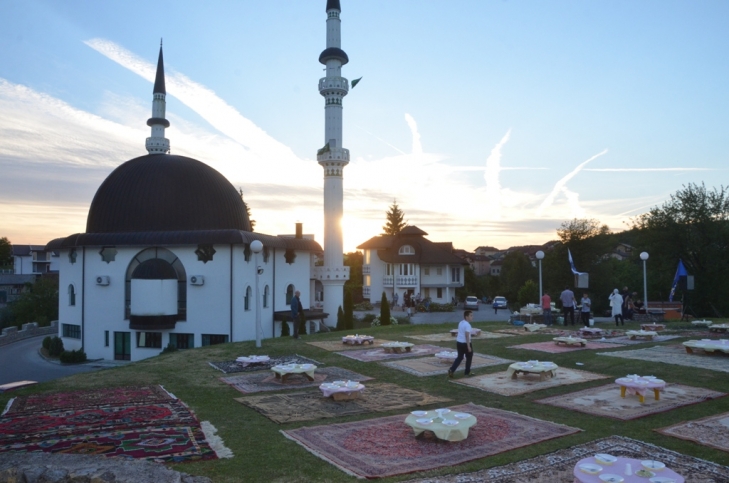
(157, 143)
(333, 158)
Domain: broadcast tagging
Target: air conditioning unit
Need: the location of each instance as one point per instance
(197, 280)
(102, 280)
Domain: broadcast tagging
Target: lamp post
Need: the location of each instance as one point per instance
(256, 247)
(644, 257)
(540, 256)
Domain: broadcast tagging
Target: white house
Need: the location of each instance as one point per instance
(410, 263)
(166, 259)
(33, 260)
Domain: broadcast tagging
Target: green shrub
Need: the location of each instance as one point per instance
(348, 310)
(302, 323)
(71, 357)
(55, 347)
(368, 318)
(170, 348)
(341, 325)
(402, 320)
(376, 322)
(364, 306)
(285, 331)
(47, 343)
(384, 310)
(433, 307)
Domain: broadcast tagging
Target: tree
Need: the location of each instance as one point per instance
(6, 252)
(340, 319)
(39, 303)
(395, 221)
(248, 209)
(515, 271)
(528, 293)
(384, 310)
(354, 260)
(348, 310)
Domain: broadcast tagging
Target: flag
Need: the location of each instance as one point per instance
(572, 263)
(680, 272)
(323, 150)
(355, 82)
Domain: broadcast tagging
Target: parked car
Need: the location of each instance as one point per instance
(471, 303)
(500, 302)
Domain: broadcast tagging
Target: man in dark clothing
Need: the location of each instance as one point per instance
(295, 309)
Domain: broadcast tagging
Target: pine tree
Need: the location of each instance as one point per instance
(395, 221)
(248, 209)
(340, 319)
(348, 310)
(384, 310)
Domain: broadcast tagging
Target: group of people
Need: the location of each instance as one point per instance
(624, 305)
(410, 302)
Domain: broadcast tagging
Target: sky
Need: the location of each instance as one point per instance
(490, 122)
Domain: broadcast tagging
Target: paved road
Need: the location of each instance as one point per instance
(20, 361)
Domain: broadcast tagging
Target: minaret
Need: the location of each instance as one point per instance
(333, 158)
(157, 143)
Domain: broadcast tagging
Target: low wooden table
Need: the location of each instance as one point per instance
(397, 347)
(544, 369)
(284, 371)
(252, 360)
(643, 334)
(653, 327)
(358, 339)
(719, 328)
(568, 341)
(590, 332)
(701, 323)
(639, 386)
(446, 357)
(437, 421)
(342, 390)
(534, 327)
(618, 468)
(709, 346)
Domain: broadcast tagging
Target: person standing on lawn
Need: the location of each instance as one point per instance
(567, 297)
(585, 310)
(547, 309)
(616, 304)
(295, 309)
(463, 344)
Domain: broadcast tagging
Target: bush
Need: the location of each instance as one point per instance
(433, 307)
(47, 343)
(364, 306)
(340, 319)
(285, 331)
(71, 357)
(384, 310)
(302, 323)
(402, 320)
(55, 347)
(368, 318)
(348, 310)
(376, 322)
(170, 348)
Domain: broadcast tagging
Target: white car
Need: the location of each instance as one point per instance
(471, 303)
(500, 302)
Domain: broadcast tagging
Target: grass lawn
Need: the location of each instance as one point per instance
(262, 453)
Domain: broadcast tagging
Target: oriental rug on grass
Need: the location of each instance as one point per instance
(133, 426)
(674, 354)
(557, 467)
(432, 366)
(228, 367)
(266, 381)
(711, 431)
(373, 355)
(628, 341)
(79, 399)
(377, 448)
(502, 383)
(447, 337)
(338, 345)
(606, 401)
(553, 348)
(307, 406)
(546, 331)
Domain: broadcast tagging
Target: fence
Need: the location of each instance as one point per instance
(31, 329)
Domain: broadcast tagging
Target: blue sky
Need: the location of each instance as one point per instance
(490, 122)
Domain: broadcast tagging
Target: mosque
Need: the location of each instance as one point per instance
(169, 256)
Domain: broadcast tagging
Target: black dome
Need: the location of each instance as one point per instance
(164, 192)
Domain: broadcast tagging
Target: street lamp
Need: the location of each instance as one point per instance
(644, 257)
(257, 247)
(540, 256)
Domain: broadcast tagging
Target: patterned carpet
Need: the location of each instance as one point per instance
(311, 405)
(228, 367)
(557, 467)
(337, 345)
(606, 401)
(553, 348)
(673, 354)
(712, 431)
(626, 340)
(447, 337)
(377, 448)
(431, 366)
(374, 355)
(131, 422)
(266, 381)
(501, 383)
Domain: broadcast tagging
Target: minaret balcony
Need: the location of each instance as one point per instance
(330, 273)
(334, 157)
(330, 85)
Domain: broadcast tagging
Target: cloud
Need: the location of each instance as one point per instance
(560, 186)
(638, 170)
(417, 146)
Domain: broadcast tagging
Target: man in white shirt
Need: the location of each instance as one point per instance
(463, 344)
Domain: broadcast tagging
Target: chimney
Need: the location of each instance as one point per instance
(299, 230)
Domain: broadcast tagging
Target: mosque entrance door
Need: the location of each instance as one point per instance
(122, 346)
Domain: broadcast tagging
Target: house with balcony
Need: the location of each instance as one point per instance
(410, 263)
(34, 260)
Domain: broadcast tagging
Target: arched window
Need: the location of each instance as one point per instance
(169, 257)
(265, 296)
(289, 293)
(406, 250)
(71, 295)
(247, 300)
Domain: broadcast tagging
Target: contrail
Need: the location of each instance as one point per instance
(417, 146)
(561, 183)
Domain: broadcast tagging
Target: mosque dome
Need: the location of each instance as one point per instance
(165, 192)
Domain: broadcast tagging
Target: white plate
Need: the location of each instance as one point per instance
(306, 366)
(611, 478)
(657, 381)
(461, 415)
(424, 421)
(326, 385)
(662, 479)
(419, 413)
(653, 465)
(590, 468)
(339, 383)
(606, 459)
(450, 422)
(443, 411)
